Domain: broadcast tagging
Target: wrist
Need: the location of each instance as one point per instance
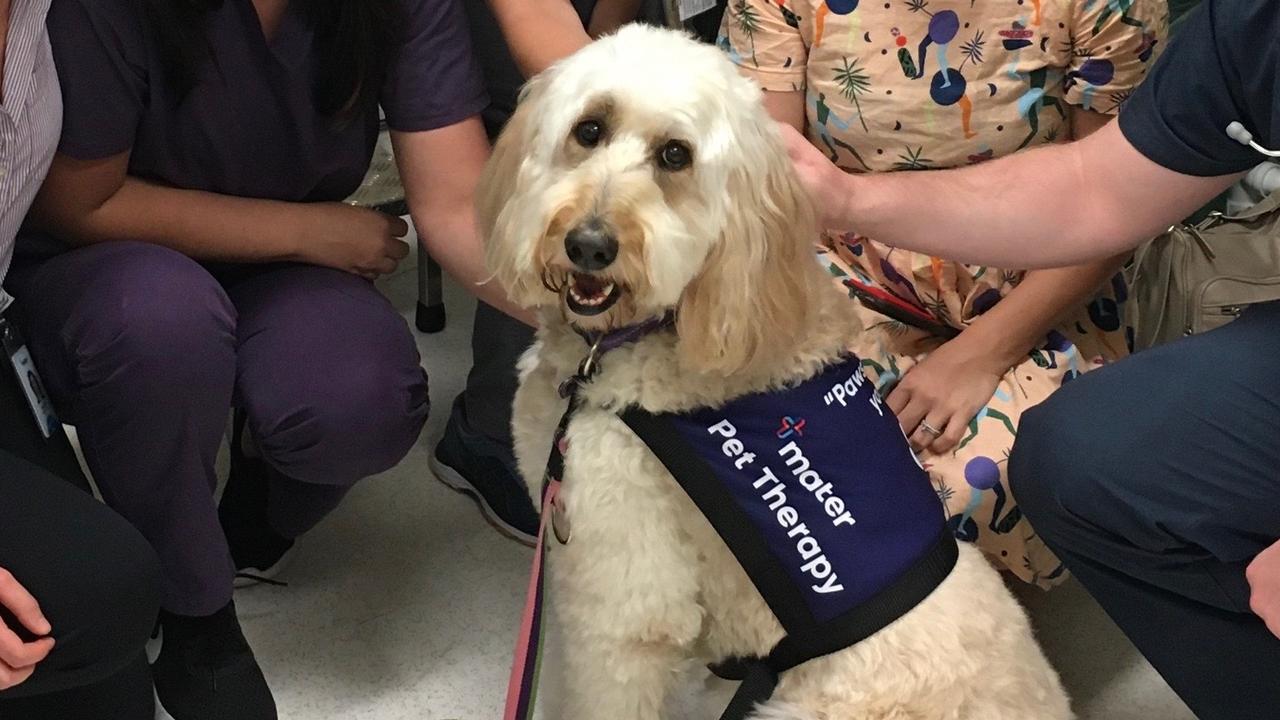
(853, 202)
(297, 236)
(992, 347)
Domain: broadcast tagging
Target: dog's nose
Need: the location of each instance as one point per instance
(591, 246)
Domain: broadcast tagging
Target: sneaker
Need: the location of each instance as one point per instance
(259, 553)
(483, 469)
(206, 670)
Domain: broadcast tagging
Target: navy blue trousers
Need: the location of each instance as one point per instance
(1157, 481)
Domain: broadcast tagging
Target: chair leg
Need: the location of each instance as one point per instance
(430, 316)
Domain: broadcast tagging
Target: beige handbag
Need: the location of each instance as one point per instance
(1198, 277)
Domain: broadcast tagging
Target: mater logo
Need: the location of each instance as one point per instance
(790, 426)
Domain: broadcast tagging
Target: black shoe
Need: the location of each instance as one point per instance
(206, 670)
(259, 552)
(476, 465)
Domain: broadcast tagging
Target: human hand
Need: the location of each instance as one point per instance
(18, 659)
(826, 184)
(945, 391)
(358, 240)
(1264, 584)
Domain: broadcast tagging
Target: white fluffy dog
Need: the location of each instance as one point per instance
(643, 176)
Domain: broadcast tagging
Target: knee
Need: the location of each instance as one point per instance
(1059, 465)
(156, 310)
(112, 605)
(362, 422)
(1036, 441)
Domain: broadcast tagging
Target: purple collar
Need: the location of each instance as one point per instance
(599, 343)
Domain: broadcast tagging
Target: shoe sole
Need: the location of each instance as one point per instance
(455, 481)
(161, 713)
(271, 573)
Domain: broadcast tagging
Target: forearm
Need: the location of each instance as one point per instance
(451, 240)
(539, 32)
(991, 213)
(1024, 210)
(202, 225)
(1019, 322)
(609, 15)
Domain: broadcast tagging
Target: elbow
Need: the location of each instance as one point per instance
(67, 226)
(74, 229)
(439, 233)
(71, 220)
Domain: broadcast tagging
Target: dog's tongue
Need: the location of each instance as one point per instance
(588, 285)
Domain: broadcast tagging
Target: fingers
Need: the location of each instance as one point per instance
(16, 654)
(950, 437)
(10, 677)
(1267, 609)
(911, 415)
(22, 605)
(1263, 575)
(897, 400)
(398, 227)
(906, 406)
(930, 429)
(397, 249)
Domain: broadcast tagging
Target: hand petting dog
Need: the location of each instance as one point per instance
(826, 184)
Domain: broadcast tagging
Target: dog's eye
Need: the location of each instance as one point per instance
(674, 156)
(588, 133)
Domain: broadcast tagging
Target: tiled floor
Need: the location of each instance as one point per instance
(403, 605)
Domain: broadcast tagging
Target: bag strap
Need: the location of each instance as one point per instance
(1268, 205)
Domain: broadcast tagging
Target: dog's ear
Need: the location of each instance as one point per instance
(756, 294)
(498, 222)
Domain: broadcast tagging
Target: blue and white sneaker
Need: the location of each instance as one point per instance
(471, 463)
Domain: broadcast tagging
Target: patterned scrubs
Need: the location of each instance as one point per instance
(924, 84)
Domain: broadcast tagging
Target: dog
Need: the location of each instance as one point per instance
(642, 177)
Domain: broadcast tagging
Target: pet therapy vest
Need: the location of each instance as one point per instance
(819, 497)
(816, 493)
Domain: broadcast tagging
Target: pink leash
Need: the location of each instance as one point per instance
(522, 689)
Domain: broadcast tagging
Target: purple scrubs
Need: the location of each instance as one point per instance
(146, 350)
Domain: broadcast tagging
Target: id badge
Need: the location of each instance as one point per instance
(24, 368)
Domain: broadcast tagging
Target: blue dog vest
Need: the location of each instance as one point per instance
(818, 496)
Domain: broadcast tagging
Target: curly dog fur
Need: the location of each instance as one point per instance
(725, 240)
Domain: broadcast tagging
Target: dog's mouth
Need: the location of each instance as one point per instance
(589, 295)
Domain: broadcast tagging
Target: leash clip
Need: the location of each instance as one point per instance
(590, 363)
(587, 369)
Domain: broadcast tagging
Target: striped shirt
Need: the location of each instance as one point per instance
(30, 121)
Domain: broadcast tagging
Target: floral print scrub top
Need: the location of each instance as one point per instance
(894, 85)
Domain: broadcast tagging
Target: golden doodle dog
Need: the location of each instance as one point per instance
(642, 179)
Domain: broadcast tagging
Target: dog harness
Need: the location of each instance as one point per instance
(816, 493)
